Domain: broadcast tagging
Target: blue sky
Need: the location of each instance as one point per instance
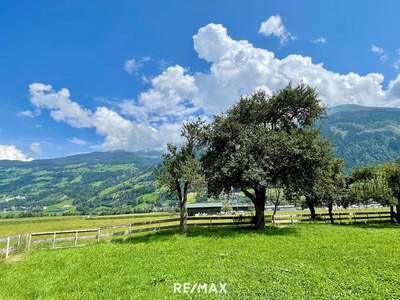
(132, 72)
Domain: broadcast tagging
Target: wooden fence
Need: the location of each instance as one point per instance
(83, 237)
(12, 243)
(340, 218)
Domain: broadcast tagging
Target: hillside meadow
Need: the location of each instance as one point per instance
(303, 261)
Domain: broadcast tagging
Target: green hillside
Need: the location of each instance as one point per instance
(101, 182)
(363, 135)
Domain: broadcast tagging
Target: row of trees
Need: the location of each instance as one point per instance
(261, 143)
(379, 183)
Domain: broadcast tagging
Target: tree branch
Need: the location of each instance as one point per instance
(248, 194)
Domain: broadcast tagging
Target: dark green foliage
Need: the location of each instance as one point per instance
(180, 171)
(380, 184)
(328, 187)
(262, 142)
(363, 135)
(392, 174)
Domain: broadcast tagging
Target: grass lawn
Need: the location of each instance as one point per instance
(303, 261)
(24, 225)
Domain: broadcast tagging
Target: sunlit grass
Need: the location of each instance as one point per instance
(304, 261)
(25, 225)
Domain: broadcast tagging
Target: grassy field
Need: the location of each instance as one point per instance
(24, 225)
(304, 261)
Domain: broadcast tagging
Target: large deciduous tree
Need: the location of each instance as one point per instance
(180, 170)
(261, 142)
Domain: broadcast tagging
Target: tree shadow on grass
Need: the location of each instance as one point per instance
(210, 232)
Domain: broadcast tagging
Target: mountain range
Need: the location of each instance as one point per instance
(363, 135)
(122, 182)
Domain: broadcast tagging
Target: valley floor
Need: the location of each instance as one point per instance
(303, 261)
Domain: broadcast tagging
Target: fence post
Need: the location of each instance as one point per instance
(54, 239)
(29, 241)
(130, 229)
(291, 218)
(98, 234)
(8, 247)
(19, 240)
(76, 238)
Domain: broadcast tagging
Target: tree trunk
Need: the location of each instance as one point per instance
(182, 206)
(277, 201)
(259, 204)
(392, 219)
(183, 220)
(330, 208)
(398, 213)
(276, 204)
(312, 211)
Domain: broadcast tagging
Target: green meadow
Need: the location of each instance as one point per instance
(303, 261)
(36, 224)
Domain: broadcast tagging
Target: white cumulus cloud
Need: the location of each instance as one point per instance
(118, 132)
(10, 152)
(273, 26)
(237, 67)
(170, 97)
(61, 107)
(176, 94)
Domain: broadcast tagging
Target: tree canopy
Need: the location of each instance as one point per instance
(263, 141)
(180, 170)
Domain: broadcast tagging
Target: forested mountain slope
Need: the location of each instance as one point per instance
(363, 135)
